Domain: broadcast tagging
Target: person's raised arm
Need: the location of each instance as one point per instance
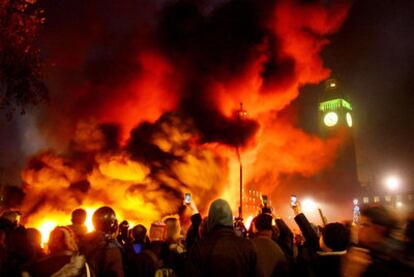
(305, 227)
(193, 233)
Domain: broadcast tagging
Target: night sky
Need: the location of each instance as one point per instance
(373, 57)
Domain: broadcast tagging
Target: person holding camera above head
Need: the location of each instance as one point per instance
(327, 251)
(102, 250)
(189, 212)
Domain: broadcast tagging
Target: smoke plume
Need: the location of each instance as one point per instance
(145, 95)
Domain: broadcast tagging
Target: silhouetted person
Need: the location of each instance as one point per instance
(327, 251)
(123, 233)
(78, 223)
(63, 258)
(375, 233)
(221, 252)
(270, 257)
(102, 251)
(173, 252)
(34, 239)
(17, 247)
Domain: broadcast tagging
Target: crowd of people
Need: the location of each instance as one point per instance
(216, 245)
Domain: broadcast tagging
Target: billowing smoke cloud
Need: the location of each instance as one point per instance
(118, 70)
(143, 181)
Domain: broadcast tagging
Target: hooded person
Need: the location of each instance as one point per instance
(221, 252)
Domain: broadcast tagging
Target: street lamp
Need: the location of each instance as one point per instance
(308, 204)
(240, 114)
(392, 183)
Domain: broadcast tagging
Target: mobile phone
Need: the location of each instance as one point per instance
(265, 200)
(293, 201)
(187, 198)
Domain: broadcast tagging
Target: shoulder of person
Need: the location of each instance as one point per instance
(73, 268)
(113, 243)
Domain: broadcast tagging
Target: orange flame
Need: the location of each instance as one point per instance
(88, 175)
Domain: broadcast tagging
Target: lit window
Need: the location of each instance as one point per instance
(366, 200)
(376, 199)
(388, 198)
(399, 197)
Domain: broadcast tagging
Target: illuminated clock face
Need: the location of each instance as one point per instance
(330, 119)
(349, 119)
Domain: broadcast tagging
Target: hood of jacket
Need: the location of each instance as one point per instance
(219, 214)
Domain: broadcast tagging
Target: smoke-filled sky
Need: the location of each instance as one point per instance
(103, 53)
(373, 56)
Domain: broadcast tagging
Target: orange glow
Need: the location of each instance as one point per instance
(45, 228)
(88, 221)
(47, 223)
(249, 222)
(85, 172)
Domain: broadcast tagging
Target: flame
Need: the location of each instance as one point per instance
(149, 156)
(88, 221)
(51, 221)
(45, 228)
(249, 221)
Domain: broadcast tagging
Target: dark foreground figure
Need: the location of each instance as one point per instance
(188, 245)
(221, 252)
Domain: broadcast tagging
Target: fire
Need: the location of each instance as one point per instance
(249, 221)
(152, 118)
(88, 222)
(45, 228)
(50, 221)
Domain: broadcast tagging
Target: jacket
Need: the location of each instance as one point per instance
(222, 253)
(270, 257)
(60, 265)
(321, 263)
(103, 253)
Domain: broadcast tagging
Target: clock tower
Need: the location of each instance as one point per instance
(336, 185)
(336, 120)
(335, 111)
